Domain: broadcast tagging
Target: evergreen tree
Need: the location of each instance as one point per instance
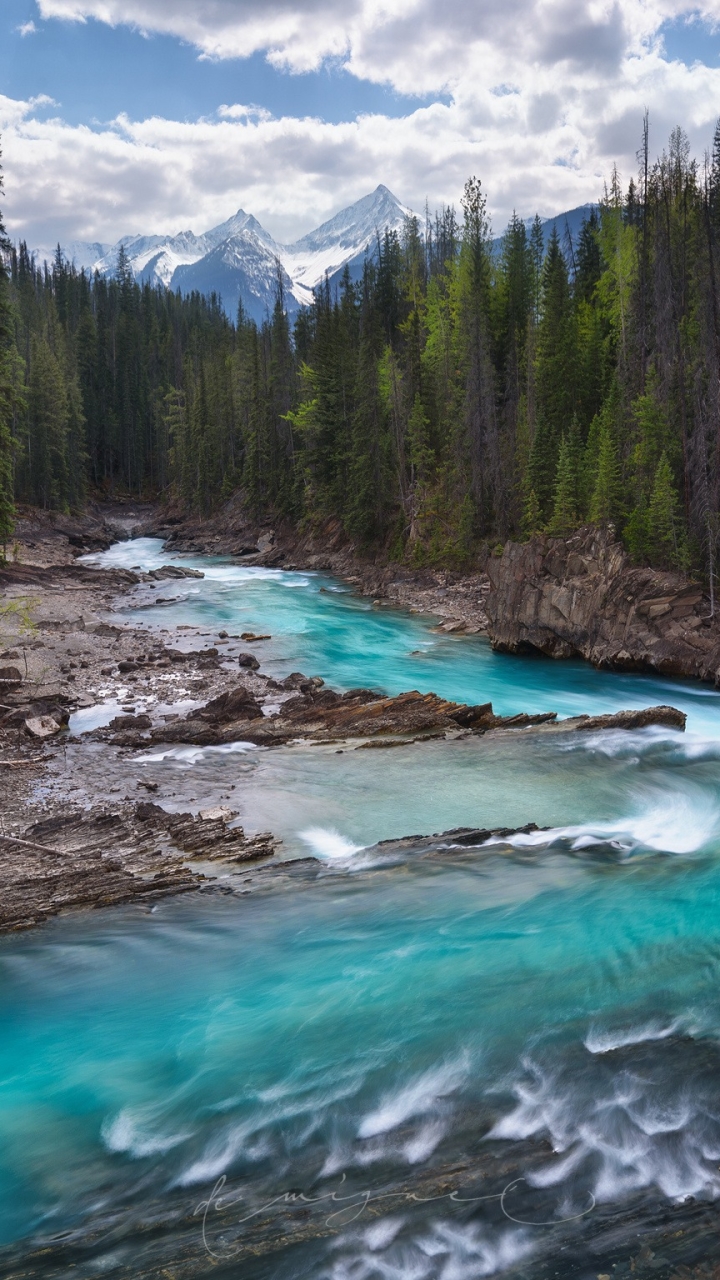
(555, 373)
(566, 515)
(662, 520)
(7, 392)
(48, 415)
(606, 501)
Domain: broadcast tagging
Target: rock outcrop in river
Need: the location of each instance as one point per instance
(107, 857)
(314, 713)
(581, 596)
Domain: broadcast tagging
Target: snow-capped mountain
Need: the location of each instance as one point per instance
(240, 260)
(343, 239)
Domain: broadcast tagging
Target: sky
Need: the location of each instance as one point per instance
(127, 116)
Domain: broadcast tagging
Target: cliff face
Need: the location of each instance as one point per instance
(582, 596)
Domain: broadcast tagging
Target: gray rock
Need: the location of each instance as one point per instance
(174, 571)
(41, 727)
(582, 597)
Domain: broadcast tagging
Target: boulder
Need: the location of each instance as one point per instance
(174, 571)
(131, 722)
(234, 704)
(41, 727)
(10, 675)
(248, 660)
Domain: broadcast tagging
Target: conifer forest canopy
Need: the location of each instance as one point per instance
(459, 394)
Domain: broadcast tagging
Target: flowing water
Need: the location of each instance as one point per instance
(503, 1060)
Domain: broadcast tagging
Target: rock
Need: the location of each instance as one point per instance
(127, 665)
(234, 704)
(9, 655)
(318, 714)
(42, 727)
(174, 571)
(582, 596)
(10, 675)
(248, 660)
(130, 722)
(207, 835)
(670, 717)
(250, 635)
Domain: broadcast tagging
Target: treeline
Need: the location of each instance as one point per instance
(457, 394)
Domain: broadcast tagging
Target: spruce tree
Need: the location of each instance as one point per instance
(555, 373)
(565, 515)
(606, 499)
(532, 519)
(8, 394)
(662, 520)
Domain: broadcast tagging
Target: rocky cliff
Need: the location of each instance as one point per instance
(581, 596)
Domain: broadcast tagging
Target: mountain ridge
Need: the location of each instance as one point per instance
(241, 262)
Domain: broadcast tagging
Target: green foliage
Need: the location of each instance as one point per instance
(566, 503)
(460, 393)
(532, 519)
(606, 500)
(664, 536)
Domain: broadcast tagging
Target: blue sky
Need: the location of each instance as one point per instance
(95, 72)
(120, 116)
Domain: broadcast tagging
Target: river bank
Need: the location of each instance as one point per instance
(83, 848)
(330, 1013)
(562, 597)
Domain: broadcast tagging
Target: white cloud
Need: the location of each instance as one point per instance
(415, 45)
(27, 28)
(543, 96)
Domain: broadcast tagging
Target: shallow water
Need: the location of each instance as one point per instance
(401, 1017)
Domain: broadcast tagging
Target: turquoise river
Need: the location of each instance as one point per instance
(497, 1061)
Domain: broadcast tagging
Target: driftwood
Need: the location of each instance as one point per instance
(31, 844)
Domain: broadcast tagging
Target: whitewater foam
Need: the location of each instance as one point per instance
(128, 1133)
(681, 822)
(186, 757)
(598, 1041)
(415, 1098)
(329, 844)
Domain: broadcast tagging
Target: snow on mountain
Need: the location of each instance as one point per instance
(343, 238)
(241, 268)
(83, 253)
(240, 260)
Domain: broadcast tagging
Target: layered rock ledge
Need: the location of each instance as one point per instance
(107, 857)
(582, 597)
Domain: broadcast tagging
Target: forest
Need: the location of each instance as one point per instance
(462, 392)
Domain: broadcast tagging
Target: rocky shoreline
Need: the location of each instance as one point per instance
(59, 656)
(579, 596)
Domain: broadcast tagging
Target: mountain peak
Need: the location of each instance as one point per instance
(239, 258)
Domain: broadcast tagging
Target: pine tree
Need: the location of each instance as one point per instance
(7, 393)
(606, 499)
(662, 520)
(565, 516)
(532, 519)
